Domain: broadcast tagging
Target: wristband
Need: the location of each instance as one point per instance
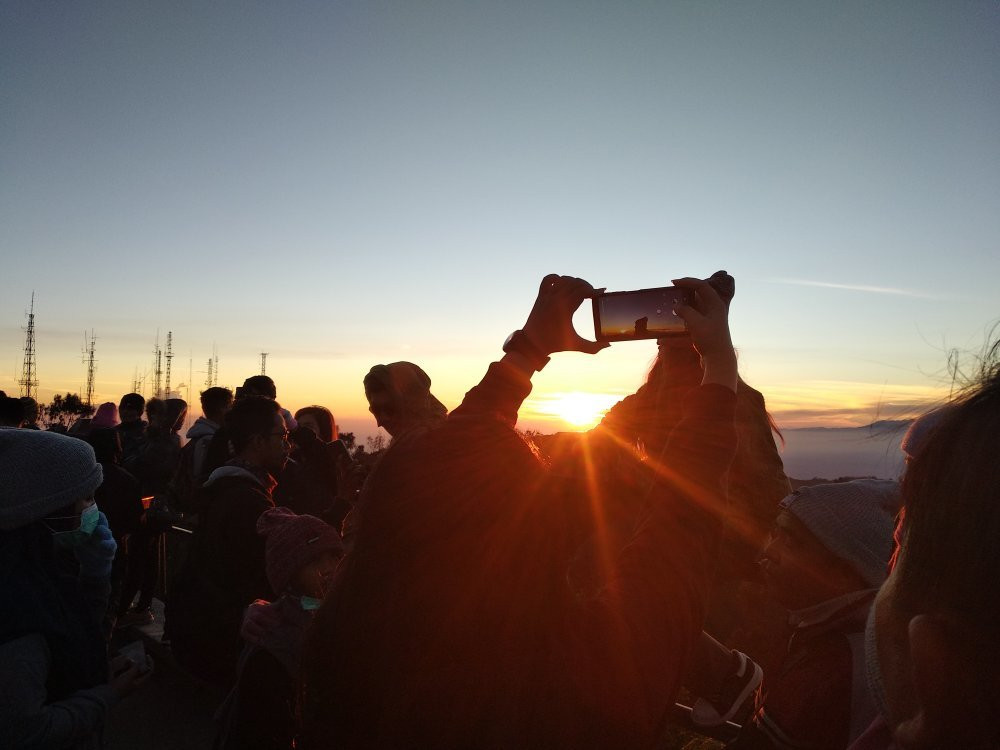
(519, 343)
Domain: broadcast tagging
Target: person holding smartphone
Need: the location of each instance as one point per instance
(452, 622)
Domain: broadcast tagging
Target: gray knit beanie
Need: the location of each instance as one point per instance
(41, 472)
(854, 520)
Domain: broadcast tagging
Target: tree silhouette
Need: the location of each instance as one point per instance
(64, 409)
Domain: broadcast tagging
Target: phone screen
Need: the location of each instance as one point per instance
(135, 651)
(642, 314)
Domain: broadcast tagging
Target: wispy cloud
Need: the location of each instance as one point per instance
(858, 288)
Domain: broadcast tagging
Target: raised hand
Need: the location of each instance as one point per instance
(550, 323)
(708, 324)
(259, 619)
(96, 551)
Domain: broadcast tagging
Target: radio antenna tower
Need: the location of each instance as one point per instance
(29, 372)
(209, 374)
(136, 383)
(215, 372)
(157, 368)
(169, 357)
(88, 354)
(263, 363)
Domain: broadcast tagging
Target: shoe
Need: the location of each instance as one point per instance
(134, 617)
(711, 712)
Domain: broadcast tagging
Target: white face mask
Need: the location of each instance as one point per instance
(873, 669)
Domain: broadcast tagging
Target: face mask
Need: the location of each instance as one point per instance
(89, 518)
(309, 603)
(872, 667)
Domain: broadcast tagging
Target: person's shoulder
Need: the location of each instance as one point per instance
(118, 477)
(230, 485)
(239, 494)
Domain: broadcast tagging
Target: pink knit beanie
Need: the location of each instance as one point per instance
(293, 541)
(106, 416)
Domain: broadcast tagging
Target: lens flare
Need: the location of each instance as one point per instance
(575, 408)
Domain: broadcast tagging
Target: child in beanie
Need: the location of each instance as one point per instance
(302, 554)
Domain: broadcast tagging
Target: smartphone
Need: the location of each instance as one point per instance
(642, 314)
(135, 651)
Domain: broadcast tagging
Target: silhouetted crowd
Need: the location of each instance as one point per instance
(469, 586)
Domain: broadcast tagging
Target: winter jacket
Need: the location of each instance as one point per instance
(154, 462)
(452, 622)
(200, 435)
(133, 437)
(222, 574)
(53, 668)
(28, 719)
(259, 712)
(120, 499)
(818, 699)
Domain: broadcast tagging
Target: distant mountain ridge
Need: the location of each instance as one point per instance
(880, 425)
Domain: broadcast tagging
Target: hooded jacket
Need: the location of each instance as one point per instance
(200, 435)
(223, 573)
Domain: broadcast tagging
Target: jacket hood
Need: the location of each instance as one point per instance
(202, 427)
(226, 471)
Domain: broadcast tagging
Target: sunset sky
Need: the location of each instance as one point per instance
(346, 183)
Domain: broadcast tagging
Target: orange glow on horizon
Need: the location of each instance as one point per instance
(575, 408)
(552, 406)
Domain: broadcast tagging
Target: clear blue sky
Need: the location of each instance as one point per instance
(345, 183)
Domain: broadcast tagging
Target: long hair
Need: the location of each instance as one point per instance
(951, 492)
(324, 418)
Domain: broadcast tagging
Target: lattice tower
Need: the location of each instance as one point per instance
(157, 369)
(29, 371)
(88, 353)
(169, 358)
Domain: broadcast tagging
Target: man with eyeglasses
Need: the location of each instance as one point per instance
(225, 570)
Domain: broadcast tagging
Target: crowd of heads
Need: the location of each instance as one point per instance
(18, 412)
(465, 534)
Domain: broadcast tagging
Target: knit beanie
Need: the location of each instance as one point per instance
(854, 520)
(292, 541)
(42, 472)
(106, 416)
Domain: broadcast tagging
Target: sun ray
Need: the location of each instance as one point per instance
(576, 408)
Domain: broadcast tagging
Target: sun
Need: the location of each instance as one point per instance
(576, 408)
